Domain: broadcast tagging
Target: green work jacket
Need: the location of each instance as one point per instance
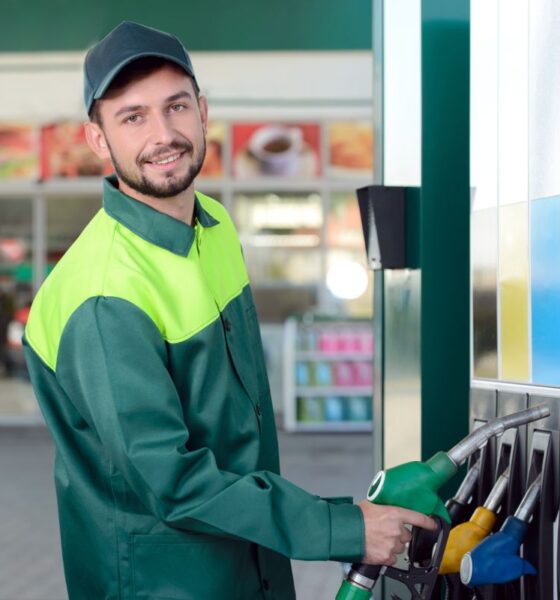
(145, 354)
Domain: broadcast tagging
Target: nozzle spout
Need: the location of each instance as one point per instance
(496, 495)
(467, 485)
(527, 505)
(479, 437)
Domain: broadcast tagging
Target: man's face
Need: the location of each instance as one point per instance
(154, 131)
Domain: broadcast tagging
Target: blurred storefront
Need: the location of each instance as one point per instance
(285, 158)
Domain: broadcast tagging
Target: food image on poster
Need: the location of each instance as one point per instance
(19, 151)
(213, 162)
(65, 153)
(350, 149)
(276, 150)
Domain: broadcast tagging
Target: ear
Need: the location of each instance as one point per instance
(96, 140)
(203, 107)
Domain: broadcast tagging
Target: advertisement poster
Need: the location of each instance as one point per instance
(19, 151)
(213, 163)
(65, 153)
(276, 150)
(350, 149)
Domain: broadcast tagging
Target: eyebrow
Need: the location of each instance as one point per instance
(134, 108)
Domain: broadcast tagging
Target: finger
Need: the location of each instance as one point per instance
(391, 560)
(417, 519)
(398, 548)
(406, 535)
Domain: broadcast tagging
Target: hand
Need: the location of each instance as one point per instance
(386, 534)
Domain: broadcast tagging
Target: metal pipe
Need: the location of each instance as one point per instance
(479, 437)
(497, 493)
(467, 485)
(530, 499)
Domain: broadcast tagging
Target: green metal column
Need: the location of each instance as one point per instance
(444, 224)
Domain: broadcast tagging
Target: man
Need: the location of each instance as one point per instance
(145, 354)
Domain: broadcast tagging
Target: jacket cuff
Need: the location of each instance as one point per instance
(347, 533)
(339, 499)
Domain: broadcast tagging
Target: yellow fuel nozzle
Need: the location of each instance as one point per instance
(465, 537)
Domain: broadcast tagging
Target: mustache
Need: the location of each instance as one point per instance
(179, 146)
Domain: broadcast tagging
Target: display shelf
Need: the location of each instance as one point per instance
(334, 391)
(328, 374)
(331, 356)
(340, 426)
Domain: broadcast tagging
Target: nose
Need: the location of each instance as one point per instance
(162, 131)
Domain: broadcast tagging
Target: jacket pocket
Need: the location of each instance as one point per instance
(192, 567)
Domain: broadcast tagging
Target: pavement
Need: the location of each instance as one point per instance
(30, 559)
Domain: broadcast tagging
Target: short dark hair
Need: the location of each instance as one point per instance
(135, 70)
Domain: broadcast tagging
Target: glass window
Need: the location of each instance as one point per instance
(349, 282)
(281, 239)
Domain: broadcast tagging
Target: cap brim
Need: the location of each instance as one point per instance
(116, 70)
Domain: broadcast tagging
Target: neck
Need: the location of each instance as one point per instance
(180, 207)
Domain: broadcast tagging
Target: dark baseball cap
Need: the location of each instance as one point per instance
(126, 43)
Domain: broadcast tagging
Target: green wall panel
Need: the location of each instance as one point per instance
(210, 25)
(444, 224)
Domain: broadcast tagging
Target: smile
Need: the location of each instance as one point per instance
(167, 162)
(164, 161)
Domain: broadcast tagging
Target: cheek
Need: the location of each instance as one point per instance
(128, 148)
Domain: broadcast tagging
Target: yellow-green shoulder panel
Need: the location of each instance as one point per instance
(181, 294)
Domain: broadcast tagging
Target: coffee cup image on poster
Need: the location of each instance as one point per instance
(276, 150)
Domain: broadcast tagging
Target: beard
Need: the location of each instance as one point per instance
(173, 184)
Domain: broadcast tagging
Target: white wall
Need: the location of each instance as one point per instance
(39, 87)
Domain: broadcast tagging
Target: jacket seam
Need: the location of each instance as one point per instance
(214, 318)
(109, 257)
(115, 533)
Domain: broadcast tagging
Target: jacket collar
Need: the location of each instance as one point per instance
(150, 224)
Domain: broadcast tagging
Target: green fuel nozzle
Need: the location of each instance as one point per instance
(414, 485)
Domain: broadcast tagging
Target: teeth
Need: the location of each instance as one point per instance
(167, 160)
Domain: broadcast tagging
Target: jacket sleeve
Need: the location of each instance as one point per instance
(112, 364)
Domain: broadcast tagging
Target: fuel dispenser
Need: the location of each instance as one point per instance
(518, 562)
(509, 453)
(414, 485)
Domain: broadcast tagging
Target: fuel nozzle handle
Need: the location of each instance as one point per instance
(497, 560)
(479, 437)
(423, 540)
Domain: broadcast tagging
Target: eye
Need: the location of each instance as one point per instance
(132, 119)
(177, 107)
